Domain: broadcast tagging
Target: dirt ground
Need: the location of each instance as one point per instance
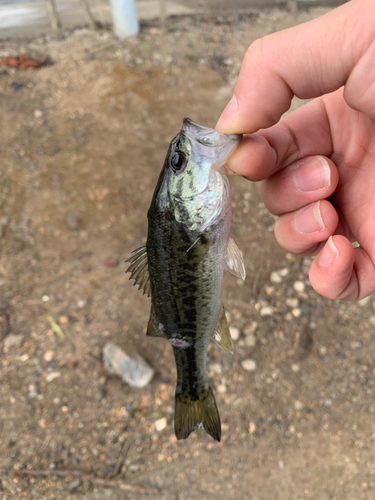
(82, 142)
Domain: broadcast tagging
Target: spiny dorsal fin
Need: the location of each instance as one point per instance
(154, 327)
(138, 269)
(234, 261)
(221, 334)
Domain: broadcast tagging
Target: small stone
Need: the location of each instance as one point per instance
(160, 424)
(266, 311)
(269, 290)
(281, 464)
(292, 302)
(283, 272)
(221, 388)
(52, 376)
(234, 332)
(296, 312)
(296, 367)
(132, 369)
(73, 221)
(372, 320)
(33, 391)
(322, 350)
(63, 320)
(364, 302)
(4, 223)
(99, 394)
(251, 328)
(38, 113)
(327, 402)
(73, 485)
(275, 277)
(299, 286)
(45, 298)
(215, 368)
(13, 340)
(252, 427)
(298, 405)
(249, 365)
(305, 309)
(48, 356)
(250, 340)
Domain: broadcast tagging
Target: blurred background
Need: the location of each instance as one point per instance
(86, 119)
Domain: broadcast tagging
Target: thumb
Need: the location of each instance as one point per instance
(308, 60)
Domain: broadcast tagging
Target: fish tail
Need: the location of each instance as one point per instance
(201, 413)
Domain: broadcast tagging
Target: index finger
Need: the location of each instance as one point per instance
(308, 60)
(305, 132)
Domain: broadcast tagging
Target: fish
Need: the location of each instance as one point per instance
(181, 266)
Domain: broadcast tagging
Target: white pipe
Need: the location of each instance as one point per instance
(125, 20)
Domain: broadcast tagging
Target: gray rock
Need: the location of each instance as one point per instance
(132, 369)
(13, 340)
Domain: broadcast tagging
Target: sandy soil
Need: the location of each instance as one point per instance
(81, 145)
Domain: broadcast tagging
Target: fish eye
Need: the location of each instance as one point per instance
(178, 161)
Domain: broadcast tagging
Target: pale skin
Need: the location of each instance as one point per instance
(317, 166)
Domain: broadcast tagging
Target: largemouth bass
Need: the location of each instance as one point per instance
(182, 265)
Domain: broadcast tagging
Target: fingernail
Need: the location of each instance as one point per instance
(328, 254)
(228, 114)
(311, 174)
(309, 219)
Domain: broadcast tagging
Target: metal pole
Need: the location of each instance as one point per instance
(125, 20)
(163, 15)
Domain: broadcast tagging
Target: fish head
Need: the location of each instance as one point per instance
(197, 183)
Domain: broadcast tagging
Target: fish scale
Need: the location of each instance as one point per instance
(188, 246)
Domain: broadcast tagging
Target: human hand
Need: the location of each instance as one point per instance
(325, 149)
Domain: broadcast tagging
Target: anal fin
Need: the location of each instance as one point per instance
(221, 335)
(154, 328)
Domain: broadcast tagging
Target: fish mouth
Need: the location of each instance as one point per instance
(210, 142)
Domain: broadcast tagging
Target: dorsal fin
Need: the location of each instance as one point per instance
(154, 328)
(234, 261)
(221, 335)
(138, 269)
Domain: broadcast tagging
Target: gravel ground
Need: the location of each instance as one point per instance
(82, 143)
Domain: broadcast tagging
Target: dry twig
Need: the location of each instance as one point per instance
(121, 459)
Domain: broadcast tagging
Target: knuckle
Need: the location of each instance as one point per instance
(255, 53)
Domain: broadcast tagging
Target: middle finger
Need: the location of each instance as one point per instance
(306, 181)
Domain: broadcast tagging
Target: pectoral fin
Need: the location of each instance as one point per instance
(221, 334)
(154, 328)
(138, 269)
(234, 261)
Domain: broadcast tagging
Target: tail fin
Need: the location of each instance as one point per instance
(199, 414)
